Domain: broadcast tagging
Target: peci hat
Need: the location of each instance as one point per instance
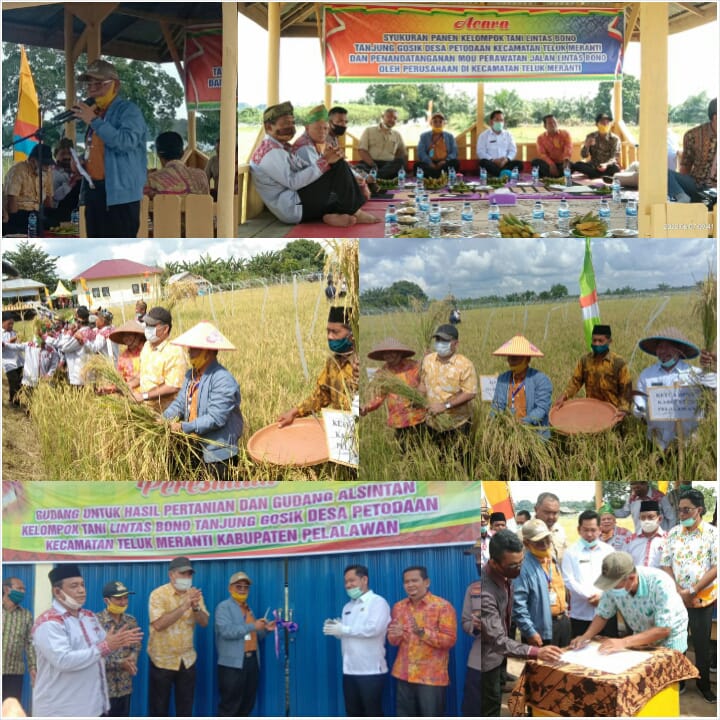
(494, 517)
(446, 332)
(99, 70)
(204, 335)
(82, 312)
(535, 530)
(602, 330)
(274, 112)
(47, 157)
(63, 572)
(673, 335)
(181, 564)
(649, 506)
(615, 567)
(389, 345)
(319, 112)
(131, 326)
(339, 314)
(115, 589)
(603, 116)
(239, 576)
(157, 316)
(520, 346)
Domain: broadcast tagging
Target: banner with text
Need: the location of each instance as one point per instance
(203, 67)
(414, 43)
(120, 521)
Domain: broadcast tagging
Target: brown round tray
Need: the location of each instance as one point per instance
(583, 415)
(300, 444)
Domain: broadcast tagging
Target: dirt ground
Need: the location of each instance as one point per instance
(692, 704)
(20, 456)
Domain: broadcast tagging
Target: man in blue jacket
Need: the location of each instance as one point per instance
(539, 601)
(237, 632)
(437, 149)
(115, 155)
(208, 403)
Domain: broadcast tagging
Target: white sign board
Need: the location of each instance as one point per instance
(674, 402)
(342, 437)
(487, 387)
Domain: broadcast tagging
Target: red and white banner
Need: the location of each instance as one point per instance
(203, 67)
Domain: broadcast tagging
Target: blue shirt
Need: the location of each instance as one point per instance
(531, 599)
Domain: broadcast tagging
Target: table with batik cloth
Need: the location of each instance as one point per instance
(571, 690)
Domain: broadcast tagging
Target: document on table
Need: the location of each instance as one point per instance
(614, 663)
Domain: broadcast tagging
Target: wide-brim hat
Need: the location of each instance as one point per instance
(204, 335)
(131, 326)
(673, 335)
(520, 346)
(390, 345)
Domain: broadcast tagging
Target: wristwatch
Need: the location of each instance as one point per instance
(146, 396)
(448, 405)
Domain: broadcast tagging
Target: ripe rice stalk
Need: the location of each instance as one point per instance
(341, 260)
(428, 319)
(704, 309)
(178, 291)
(386, 383)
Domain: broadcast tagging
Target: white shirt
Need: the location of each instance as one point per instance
(365, 623)
(581, 567)
(12, 352)
(71, 678)
(655, 376)
(647, 551)
(76, 354)
(492, 145)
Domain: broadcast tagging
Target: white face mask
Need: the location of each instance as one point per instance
(69, 603)
(182, 584)
(150, 334)
(649, 526)
(443, 348)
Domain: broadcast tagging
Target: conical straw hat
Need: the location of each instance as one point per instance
(673, 335)
(389, 345)
(519, 345)
(131, 326)
(204, 335)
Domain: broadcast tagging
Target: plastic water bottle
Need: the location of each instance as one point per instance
(483, 176)
(494, 218)
(391, 221)
(563, 216)
(420, 176)
(514, 176)
(538, 218)
(373, 174)
(616, 190)
(435, 220)
(567, 174)
(604, 211)
(32, 229)
(535, 173)
(75, 220)
(423, 210)
(631, 215)
(466, 220)
(401, 179)
(452, 177)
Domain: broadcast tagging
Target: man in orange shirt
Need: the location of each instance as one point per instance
(424, 628)
(554, 148)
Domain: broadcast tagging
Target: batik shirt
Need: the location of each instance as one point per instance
(119, 680)
(401, 412)
(23, 183)
(555, 148)
(605, 378)
(442, 380)
(16, 628)
(699, 157)
(176, 178)
(605, 150)
(334, 389)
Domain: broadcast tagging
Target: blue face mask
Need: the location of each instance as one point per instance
(588, 545)
(669, 363)
(343, 345)
(618, 592)
(16, 596)
(600, 349)
(687, 522)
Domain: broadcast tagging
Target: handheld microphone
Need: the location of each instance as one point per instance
(69, 114)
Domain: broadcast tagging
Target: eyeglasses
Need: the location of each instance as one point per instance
(685, 510)
(513, 566)
(97, 83)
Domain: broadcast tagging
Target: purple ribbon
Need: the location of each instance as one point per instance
(288, 625)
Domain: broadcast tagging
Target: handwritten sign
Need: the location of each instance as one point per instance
(675, 402)
(487, 387)
(342, 437)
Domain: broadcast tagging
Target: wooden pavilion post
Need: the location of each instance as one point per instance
(273, 79)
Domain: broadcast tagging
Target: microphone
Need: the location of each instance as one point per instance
(69, 114)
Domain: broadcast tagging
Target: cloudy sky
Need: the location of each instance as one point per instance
(475, 267)
(74, 258)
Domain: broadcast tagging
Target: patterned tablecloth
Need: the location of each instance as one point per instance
(575, 691)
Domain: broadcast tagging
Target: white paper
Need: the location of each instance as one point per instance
(81, 168)
(614, 663)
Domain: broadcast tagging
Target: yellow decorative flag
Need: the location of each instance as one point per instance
(27, 119)
(497, 494)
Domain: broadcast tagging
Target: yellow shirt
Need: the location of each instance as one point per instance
(335, 387)
(605, 378)
(168, 647)
(24, 185)
(162, 364)
(442, 380)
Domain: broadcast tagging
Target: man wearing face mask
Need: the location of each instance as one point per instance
(604, 374)
(690, 559)
(492, 624)
(581, 564)
(17, 623)
(361, 631)
(121, 664)
(208, 404)
(66, 182)
(338, 381)
(437, 149)
(600, 151)
(481, 548)
(640, 490)
(449, 381)
(382, 148)
(496, 148)
(174, 610)
(115, 157)
(71, 648)
(647, 601)
(677, 488)
(162, 364)
(672, 349)
(237, 634)
(337, 125)
(648, 545)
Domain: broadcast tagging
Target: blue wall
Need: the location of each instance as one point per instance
(316, 592)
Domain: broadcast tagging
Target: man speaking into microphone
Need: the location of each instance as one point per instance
(115, 155)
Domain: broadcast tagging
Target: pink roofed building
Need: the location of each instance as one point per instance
(117, 282)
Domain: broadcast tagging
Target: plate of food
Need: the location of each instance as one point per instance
(622, 233)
